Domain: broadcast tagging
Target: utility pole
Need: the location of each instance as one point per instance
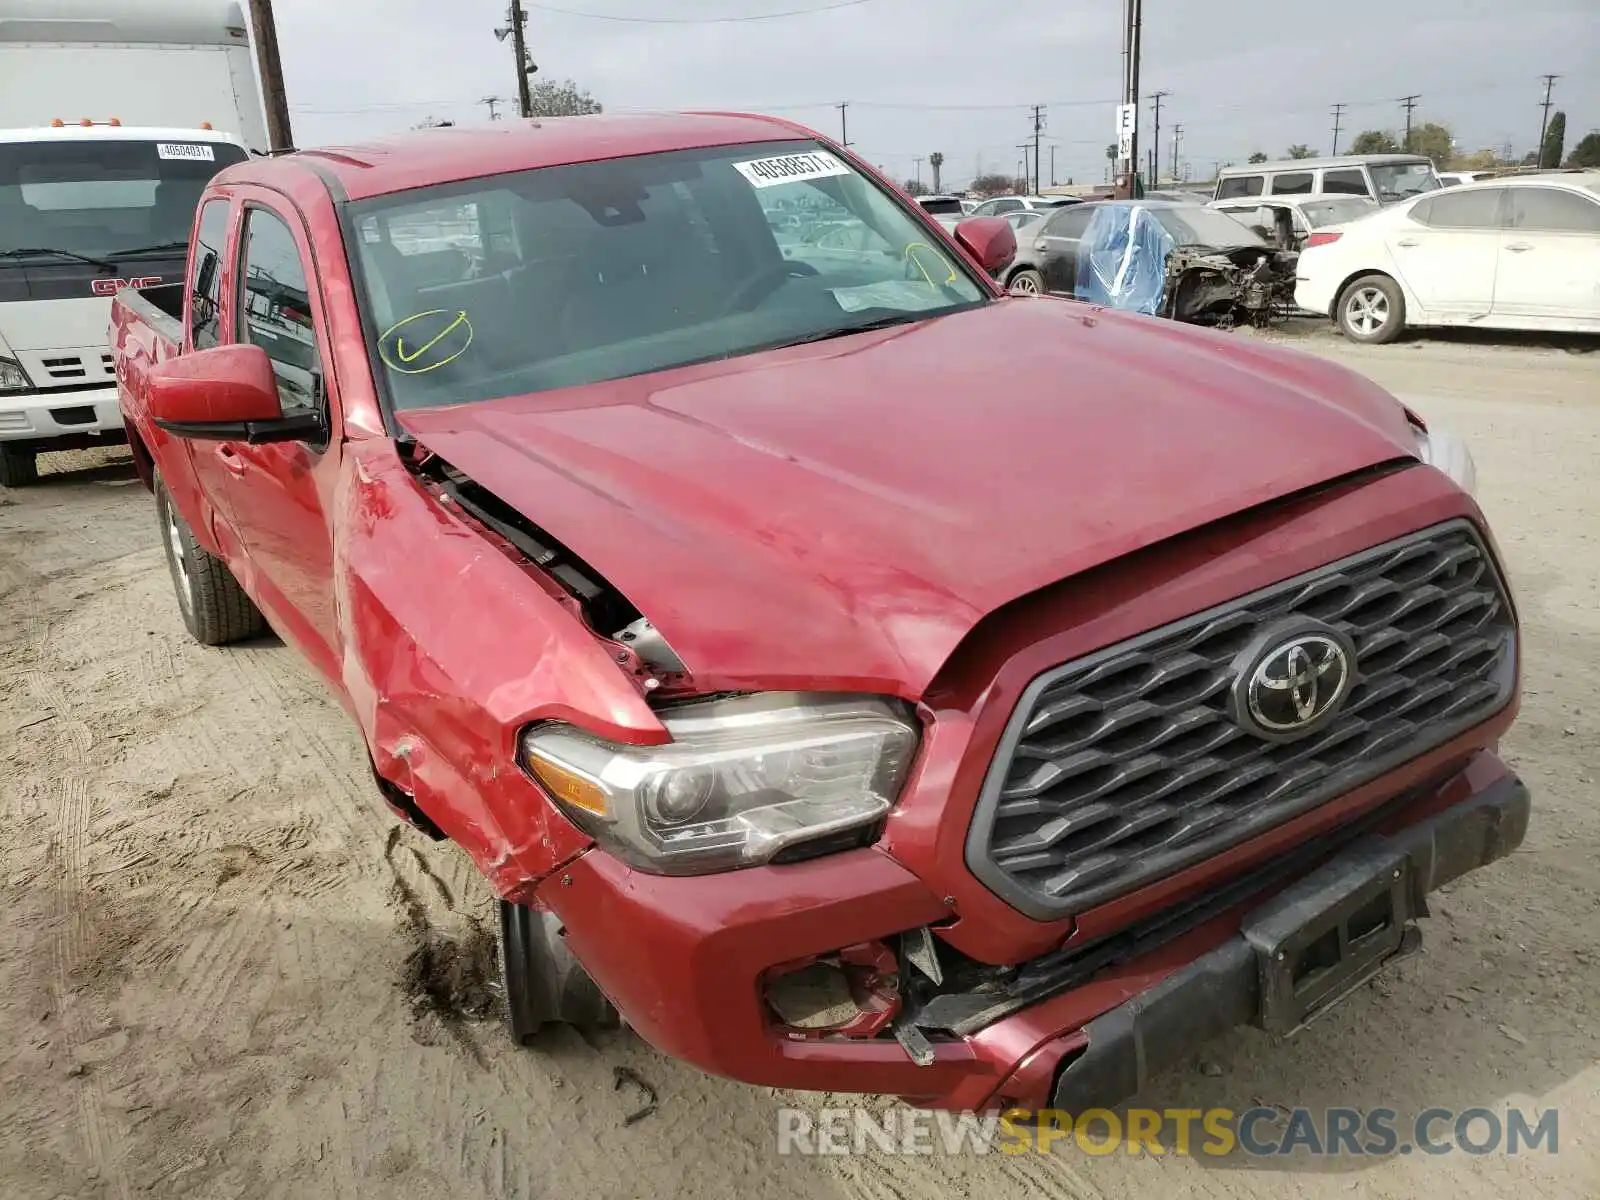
(493, 103)
(516, 18)
(916, 171)
(279, 135)
(1132, 29)
(1038, 126)
(1155, 141)
(844, 129)
(1052, 166)
(1544, 122)
(1338, 120)
(1409, 103)
(1023, 174)
(1177, 138)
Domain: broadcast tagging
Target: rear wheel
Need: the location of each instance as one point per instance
(18, 468)
(215, 608)
(544, 983)
(1026, 282)
(1372, 310)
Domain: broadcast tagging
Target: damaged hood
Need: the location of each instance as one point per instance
(840, 515)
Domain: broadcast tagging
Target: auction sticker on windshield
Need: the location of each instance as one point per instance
(188, 151)
(790, 168)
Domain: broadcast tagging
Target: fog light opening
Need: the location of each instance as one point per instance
(853, 992)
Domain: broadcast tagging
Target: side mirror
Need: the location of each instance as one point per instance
(225, 394)
(990, 240)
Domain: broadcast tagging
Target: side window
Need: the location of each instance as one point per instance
(1553, 210)
(1463, 210)
(205, 279)
(1293, 183)
(275, 308)
(1070, 222)
(1345, 182)
(1239, 185)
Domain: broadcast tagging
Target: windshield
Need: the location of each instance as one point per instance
(1397, 181)
(1196, 225)
(96, 198)
(574, 274)
(1335, 212)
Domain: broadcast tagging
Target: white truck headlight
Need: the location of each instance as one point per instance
(743, 778)
(13, 378)
(1449, 454)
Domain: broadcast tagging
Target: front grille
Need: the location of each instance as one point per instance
(1129, 765)
(64, 368)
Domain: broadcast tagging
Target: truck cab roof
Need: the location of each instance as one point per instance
(76, 132)
(422, 158)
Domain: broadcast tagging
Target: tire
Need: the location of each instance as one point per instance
(1026, 282)
(215, 609)
(1371, 310)
(544, 984)
(18, 468)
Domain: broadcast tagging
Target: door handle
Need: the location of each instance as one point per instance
(230, 458)
(1407, 242)
(1519, 247)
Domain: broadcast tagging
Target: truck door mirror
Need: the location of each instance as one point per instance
(990, 240)
(225, 394)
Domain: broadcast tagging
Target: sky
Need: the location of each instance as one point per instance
(960, 76)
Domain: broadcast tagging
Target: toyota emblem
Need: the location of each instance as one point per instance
(1296, 683)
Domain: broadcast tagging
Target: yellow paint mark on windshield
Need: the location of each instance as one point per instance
(916, 260)
(446, 345)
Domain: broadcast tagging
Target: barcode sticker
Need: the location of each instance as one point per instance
(790, 168)
(187, 151)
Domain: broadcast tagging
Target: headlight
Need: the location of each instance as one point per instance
(742, 778)
(1449, 454)
(13, 378)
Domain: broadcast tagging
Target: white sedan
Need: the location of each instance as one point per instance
(1517, 253)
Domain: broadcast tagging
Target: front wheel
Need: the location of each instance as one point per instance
(1026, 282)
(1372, 310)
(544, 984)
(215, 609)
(18, 468)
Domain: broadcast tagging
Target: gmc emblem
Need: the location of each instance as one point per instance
(110, 287)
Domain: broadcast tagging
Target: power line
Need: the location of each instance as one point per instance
(1544, 123)
(630, 20)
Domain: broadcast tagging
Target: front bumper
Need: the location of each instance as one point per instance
(684, 958)
(50, 418)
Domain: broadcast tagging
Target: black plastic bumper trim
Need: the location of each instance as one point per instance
(1161, 1026)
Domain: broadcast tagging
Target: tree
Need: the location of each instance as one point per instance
(1587, 152)
(1555, 140)
(993, 185)
(936, 161)
(1301, 150)
(433, 123)
(1433, 140)
(1483, 160)
(563, 98)
(1374, 141)
(914, 188)
(1258, 156)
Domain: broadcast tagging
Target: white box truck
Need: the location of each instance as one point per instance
(114, 115)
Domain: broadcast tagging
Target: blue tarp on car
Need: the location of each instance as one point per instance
(1122, 259)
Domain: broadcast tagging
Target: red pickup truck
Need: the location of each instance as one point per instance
(854, 677)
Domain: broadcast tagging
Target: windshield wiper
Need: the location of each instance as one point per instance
(83, 258)
(151, 249)
(823, 335)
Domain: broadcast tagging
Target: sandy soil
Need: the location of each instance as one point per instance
(225, 973)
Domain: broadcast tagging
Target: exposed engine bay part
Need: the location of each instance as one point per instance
(1226, 286)
(638, 648)
(646, 641)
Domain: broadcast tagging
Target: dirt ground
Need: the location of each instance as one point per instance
(225, 973)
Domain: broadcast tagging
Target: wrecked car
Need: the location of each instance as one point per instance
(834, 728)
(1182, 261)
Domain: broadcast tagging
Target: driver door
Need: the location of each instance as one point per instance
(1057, 247)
